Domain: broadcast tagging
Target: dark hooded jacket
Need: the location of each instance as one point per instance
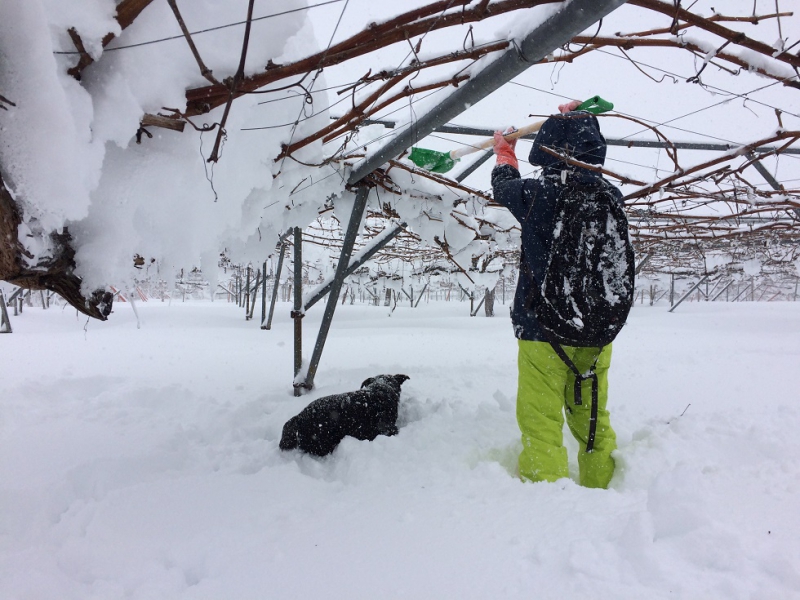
(533, 201)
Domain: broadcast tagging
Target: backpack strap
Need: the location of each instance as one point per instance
(579, 377)
(578, 386)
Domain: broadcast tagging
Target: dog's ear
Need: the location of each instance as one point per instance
(401, 378)
(367, 382)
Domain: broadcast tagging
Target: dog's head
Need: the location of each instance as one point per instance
(290, 438)
(394, 381)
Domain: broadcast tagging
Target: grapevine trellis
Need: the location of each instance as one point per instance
(713, 205)
(718, 205)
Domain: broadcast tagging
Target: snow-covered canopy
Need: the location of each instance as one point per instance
(88, 79)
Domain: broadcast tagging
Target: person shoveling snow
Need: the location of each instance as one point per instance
(574, 292)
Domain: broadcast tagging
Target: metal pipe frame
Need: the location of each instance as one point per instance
(559, 28)
(487, 133)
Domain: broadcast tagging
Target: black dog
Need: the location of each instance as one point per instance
(364, 414)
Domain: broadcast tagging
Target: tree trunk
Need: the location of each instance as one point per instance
(55, 274)
(488, 303)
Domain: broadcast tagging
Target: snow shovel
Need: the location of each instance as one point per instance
(442, 162)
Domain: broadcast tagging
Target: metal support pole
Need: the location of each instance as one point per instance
(475, 165)
(626, 143)
(689, 293)
(256, 284)
(5, 322)
(338, 280)
(422, 293)
(247, 295)
(297, 313)
(475, 312)
(672, 289)
(275, 289)
(263, 293)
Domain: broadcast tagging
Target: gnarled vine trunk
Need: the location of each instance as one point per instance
(55, 274)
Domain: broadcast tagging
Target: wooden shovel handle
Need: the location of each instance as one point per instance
(488, 143)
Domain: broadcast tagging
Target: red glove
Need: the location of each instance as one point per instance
(569, 106)
(504, 150)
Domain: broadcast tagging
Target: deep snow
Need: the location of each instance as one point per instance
(144, 463)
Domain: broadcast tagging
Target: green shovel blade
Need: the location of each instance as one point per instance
(432, 160)
(595, 105)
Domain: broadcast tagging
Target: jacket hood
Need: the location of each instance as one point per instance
(576, 132)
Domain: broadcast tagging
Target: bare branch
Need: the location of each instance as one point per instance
(127, 11)
(237, 79)
(204, 70)
(735, 37)
(398, 29)
(4, 100)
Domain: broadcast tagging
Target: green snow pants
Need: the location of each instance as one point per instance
(544, 394)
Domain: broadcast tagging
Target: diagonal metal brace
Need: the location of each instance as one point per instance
(356, 264)
(338, 280)
(689, 293)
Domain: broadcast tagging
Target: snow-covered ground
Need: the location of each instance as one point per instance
(144, 463)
